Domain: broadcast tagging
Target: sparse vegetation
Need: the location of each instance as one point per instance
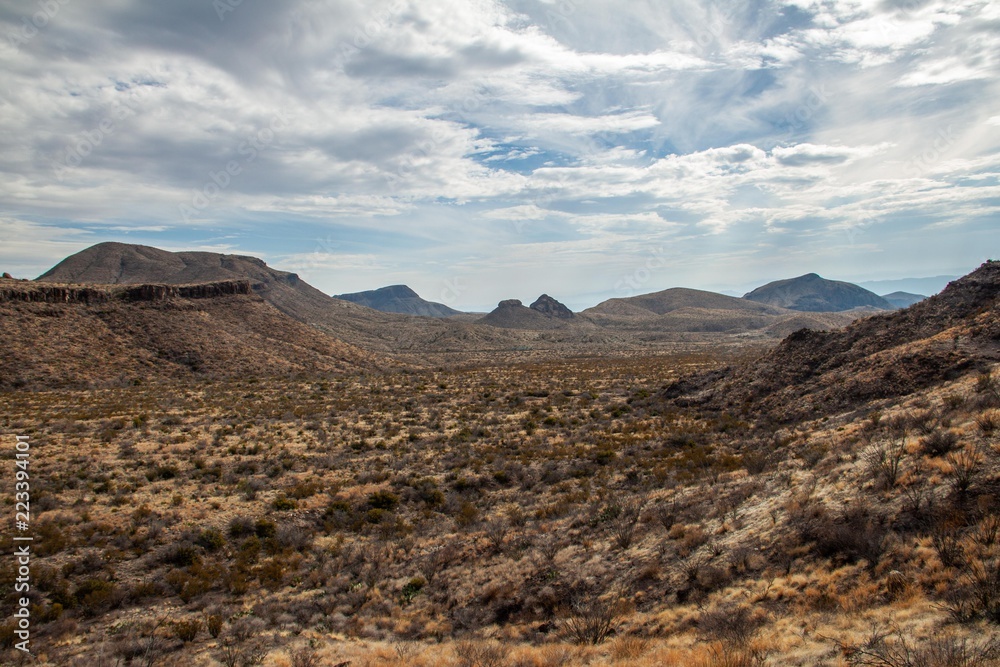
(558, 513)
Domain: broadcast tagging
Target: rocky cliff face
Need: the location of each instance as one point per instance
(37, 293)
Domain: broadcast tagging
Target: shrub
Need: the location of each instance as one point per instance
(213, 623)
(187, 630)
(283, 503)
(180, 555)
(383, 500)
(892, 648)
(412, 589)
(884, 460)
(859, 533)
(241, 526)
(938, 442)
(481, 654)
(210, 539)
(594, 618)
(626, 523)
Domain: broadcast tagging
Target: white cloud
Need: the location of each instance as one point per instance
(429, 123)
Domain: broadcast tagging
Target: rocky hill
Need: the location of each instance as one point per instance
(114, 335)
(398, 299)
(419, 340)
(512, 314)
(816, 373)
(549, 307)
(687, 310)
(811, 293)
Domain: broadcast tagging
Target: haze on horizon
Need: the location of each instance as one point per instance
(477, 150)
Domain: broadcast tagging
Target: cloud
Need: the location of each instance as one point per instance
(424, 134)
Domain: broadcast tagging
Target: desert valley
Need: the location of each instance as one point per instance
(230, 467)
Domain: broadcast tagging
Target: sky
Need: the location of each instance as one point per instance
(482, 150)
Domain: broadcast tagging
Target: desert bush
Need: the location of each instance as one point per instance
(210, 539)
(181, 554)
(187, 630)
(139, 643)
(241, 645)
(283, 503)
(383, 500)
(593, 617)
(964, 468)
(858, 533)
(496, 533)
(731, 625)
(626, 522)
(481, 653)
(411, 589)
(893, 648)
(884, 460)
(213, 623)
(305, 656)
(988, 422)
(938, 442)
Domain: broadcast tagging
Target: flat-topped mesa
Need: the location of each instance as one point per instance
(52, 293)
(198, 291)
(40, 293)
(546, 305)
(510, 303)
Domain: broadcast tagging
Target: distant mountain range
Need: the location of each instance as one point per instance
(903, 299)
(398, 299)
(413, 330)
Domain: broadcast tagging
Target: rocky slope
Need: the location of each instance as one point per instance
(814, 373)
(97, 336)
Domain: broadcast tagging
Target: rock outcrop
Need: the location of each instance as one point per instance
(546, 305)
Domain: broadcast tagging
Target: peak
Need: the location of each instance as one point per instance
(398, 291)
(546, 305)
(510, 303)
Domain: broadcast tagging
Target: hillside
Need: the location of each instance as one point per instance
(94, 336)
(821, 373)
(811, 293)
(417, 339)
(485, 515)
(398, 299)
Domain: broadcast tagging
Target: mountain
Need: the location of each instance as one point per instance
(811, 293)
(903, 299)
(677, 298)
(687, 310)
(417, 339)
(930, 285)
(512, 314)
(114, 335)
(620, 326)
(398, 299)
(816, 373)
(548, 306)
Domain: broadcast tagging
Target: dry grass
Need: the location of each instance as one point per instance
(487, 516)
